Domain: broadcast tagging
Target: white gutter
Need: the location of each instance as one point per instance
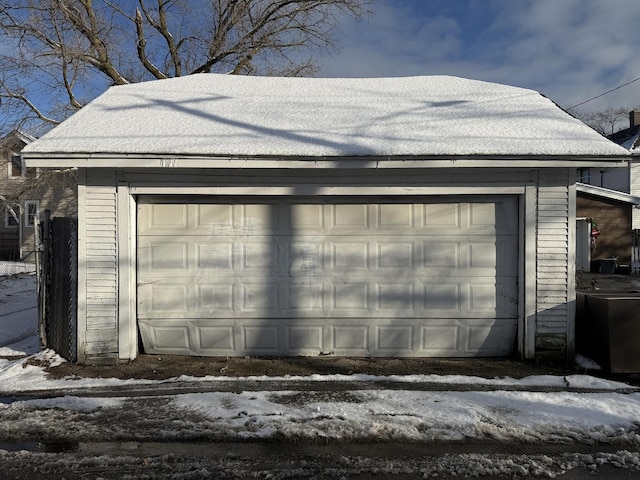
(169, 161)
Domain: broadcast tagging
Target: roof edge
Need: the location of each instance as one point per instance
(607, 193)
(115, 160)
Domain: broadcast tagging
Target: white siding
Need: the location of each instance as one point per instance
(547, 290)
(101, 273)
(614, 179)
(553, 262)
(634, 176)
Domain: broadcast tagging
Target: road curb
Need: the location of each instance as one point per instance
(244, 385)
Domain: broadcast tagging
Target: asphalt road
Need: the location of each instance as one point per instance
(152, 460)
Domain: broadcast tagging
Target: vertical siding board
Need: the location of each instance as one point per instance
(555, 288)
(530, 262)
(127, 321)
(98, 212)
(82, 271)
(635, 190)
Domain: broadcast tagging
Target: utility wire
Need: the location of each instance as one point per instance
(603, 94)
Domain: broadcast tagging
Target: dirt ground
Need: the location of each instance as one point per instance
(160, 367)
(590, 282)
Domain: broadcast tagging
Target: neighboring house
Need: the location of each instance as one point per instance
(627, 179)
(23, 198)
(407, 217)
(18, 209)
(609, 233)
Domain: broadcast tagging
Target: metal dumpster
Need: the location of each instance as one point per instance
(608, 329)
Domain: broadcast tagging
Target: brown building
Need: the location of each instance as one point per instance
(611, 214)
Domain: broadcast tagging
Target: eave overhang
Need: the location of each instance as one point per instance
(169, 161)
(607, 193)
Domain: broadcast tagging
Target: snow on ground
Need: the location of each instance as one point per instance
(609, 415)
(18, 311)
(349, 416)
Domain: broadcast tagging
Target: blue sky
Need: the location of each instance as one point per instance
(569, 50)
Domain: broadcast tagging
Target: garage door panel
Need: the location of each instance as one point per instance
(285, 277)
(396, 298)
(394, 340)
(163, 337)
(214, 219)
(260, 338)
(441, 254)
(395, 217)
(214, 255)
(350, 339)
(350, 255)
(304, 339)
(482, 215)
(482, 255)
(164, 218)
(305, 296)
(214, 299)
(395, 255)
(492, 338)
(258, 255)
(214, 339)
(348, 218)
(441, 216)
(306, 218)
(443, 298)
(451, 297)
(440, 340)
(162, 255)
(350, 297)
(260, 219)
(304, 256)
(262, 297)
(156, 300)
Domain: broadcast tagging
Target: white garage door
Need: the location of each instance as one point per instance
(219, 276)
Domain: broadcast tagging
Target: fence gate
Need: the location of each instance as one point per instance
(57, 285)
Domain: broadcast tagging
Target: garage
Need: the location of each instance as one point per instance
(397, 276)
(231, 215)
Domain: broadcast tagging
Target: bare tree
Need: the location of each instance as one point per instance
(56, 55)
(606, 121)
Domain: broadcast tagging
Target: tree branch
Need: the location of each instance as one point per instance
(162, 27)
(90, 32)
(140, 47)
(32, 107)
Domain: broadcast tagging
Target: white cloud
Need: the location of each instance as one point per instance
(570, 50)
(394, 42)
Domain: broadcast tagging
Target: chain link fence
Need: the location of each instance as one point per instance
(8, 267)
(57, 284)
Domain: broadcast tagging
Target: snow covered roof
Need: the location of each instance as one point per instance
(607, 193)
(17, 135)
(225, 115)
(628, 139)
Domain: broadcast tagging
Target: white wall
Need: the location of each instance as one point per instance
(106, 304)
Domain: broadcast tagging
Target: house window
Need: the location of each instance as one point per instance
(9, 219)
(16, 167)
(584, 175)
(31, 212)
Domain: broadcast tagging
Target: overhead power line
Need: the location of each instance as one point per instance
(604, 93)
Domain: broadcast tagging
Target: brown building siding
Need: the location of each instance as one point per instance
(613, 219)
